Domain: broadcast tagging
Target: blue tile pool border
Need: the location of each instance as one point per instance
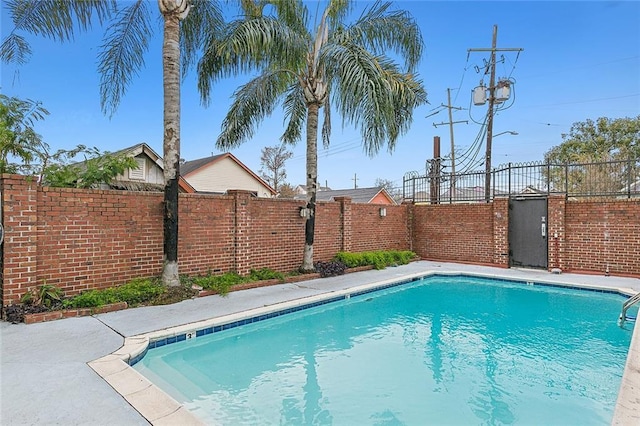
(222, 327)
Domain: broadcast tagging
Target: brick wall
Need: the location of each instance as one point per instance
(455, 232)
(602, 237)
(90, 239)
(207, 233)
(84, 239)
(373, 232)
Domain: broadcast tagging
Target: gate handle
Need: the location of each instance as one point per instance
(544, 230)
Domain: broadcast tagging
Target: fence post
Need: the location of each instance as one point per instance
(629, 177)
(548, 178)
(493, 185)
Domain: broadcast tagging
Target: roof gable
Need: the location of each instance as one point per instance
(191, 168)
(375, 195)
(144, 149)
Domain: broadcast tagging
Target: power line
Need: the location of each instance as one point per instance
(451, 123)
(491, 69)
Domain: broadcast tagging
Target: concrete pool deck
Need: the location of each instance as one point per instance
(52, 372)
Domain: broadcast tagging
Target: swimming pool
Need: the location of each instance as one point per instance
(443, 350)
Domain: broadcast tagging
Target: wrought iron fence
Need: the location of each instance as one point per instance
(612, 179)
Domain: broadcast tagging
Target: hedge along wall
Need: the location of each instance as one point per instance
(87, 239)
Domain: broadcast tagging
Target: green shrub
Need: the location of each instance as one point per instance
(46, 295)
(350, 260)
(220, 283)
(134, 293)
(138, 291)
(265, 274)
(223, 283)
(91, 299)
(379, 259)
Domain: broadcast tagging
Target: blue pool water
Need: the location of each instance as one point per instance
(441, 350)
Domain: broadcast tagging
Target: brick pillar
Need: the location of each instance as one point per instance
(556, 211)
(501, 231)
(345, 222)
(19, 198)
(242, 258)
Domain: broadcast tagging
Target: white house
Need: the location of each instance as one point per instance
(149, 175)
(219, 173)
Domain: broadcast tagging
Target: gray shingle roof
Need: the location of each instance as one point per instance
(189, 166)
(358, 195)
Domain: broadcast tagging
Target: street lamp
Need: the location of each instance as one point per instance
(511, 132)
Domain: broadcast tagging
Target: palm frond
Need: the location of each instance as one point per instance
(381, 30)
(252, 103)
(295, 114)
(121, 54)
(257, 44)
(372, 93)
(253, 8)
(326, 124)
(293, 13)
(204, 22)
(337, 11)
(15, 49)
(55, 19)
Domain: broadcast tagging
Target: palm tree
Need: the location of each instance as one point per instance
(308, 69)
(17, 136)
(121, 57)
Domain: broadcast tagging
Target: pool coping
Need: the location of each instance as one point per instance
(159, 408)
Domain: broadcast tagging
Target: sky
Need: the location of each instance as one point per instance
(580, 60)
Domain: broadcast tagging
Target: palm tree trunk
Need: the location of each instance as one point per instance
(171, 145)
(312, 185)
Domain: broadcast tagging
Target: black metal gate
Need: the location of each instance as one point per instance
(528, 232)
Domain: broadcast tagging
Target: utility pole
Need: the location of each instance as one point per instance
(355, 181)
(492, 99)
(453, 152)
(434, 172)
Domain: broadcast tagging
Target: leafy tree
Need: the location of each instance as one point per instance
(598, 157)
(286, 191)
(18, 139)
(97, 168)
(605, 139)
(187, 24)
(272, 161)
(307, 68)
(394, 191)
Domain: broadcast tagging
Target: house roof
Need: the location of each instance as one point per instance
(189, 167)
(141, 148)
(358, 195)
(302, 189)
